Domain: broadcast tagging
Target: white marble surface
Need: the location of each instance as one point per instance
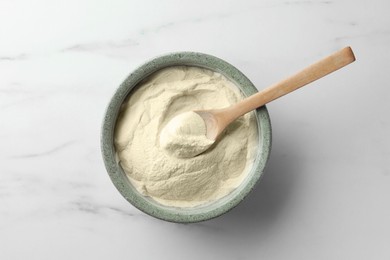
(325, 194)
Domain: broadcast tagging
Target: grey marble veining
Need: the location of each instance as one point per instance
(325, 193)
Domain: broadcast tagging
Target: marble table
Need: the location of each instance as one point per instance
(325, 193)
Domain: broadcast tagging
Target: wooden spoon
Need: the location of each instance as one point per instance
(218, 119)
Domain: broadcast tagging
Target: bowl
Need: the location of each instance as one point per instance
(146, 204)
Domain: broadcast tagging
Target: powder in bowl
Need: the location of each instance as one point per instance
(183, 182)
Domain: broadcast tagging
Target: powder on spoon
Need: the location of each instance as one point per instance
(142, 146)
(185, 135)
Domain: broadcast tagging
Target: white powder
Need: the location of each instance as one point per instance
(183, 182)
(185, 135)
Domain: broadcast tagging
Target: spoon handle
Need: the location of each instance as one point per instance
(311, 73)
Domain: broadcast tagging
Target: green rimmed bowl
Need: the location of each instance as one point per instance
(148, 205)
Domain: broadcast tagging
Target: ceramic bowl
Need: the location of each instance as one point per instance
(148, 205)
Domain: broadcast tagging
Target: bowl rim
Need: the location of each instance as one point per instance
(115, 171)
